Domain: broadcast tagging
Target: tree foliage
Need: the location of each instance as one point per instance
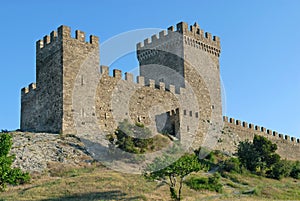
(258, 156)
(8, 175)
(295, 172)
(280, 169)
(184, 166)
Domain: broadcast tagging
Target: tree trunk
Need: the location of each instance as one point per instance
(180, 187)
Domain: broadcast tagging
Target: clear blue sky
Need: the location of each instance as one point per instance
(260, 64)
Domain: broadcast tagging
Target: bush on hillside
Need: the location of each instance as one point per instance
(136, 139)
(295, 172)
(280, 170)
(9, 175)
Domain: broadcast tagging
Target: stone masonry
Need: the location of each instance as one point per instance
(178, 90)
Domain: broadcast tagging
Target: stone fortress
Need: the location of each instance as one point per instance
(178, 90)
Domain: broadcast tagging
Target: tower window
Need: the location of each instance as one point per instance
(191, 113)
(196, 114)
(184, 112)
(82, 112)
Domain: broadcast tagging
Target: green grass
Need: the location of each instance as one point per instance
(96, 182)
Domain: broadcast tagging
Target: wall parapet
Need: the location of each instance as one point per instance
(140, 80)
(193, 36)
(64, 32)
(28, 90)
(261, 129)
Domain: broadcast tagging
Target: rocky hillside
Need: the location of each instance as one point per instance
(36, 152)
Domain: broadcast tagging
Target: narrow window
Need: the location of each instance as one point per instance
(196, 114)
(81, 80)
(191, 113)
(82, 112)
(184, 112)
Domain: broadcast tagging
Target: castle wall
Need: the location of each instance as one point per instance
(235, 131)
(119, 99)
(153, 105)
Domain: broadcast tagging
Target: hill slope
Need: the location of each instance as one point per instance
(96, 182)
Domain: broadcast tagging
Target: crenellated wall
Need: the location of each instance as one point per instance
(119, 99)
(193, 36)
(28, 107)
(236, 130)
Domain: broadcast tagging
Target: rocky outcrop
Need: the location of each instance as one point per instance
(36, 151)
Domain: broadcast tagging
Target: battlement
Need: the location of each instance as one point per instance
(193, 36)
(64, 32)
(188, 113)
(140, 80)
(26, 90)
(155, 39)
(260, 129)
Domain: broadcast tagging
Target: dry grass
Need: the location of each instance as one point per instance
(96, 182)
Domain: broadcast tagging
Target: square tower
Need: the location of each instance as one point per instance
(47, 106)
(188, 58)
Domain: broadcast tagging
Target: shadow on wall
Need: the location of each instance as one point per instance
(107, 195)
(168, 123)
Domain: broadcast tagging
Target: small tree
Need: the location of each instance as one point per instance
(184, 166)
(9, 175)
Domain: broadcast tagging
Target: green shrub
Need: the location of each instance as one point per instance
(280, 170)
(8, 175)
(130, 138)
(295, 172)
(232, 165)
(202, 183)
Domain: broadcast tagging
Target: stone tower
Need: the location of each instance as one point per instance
(187, 58)
(47, 105)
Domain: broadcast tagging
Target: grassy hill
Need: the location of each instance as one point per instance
(95, 182)
(62, 170)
